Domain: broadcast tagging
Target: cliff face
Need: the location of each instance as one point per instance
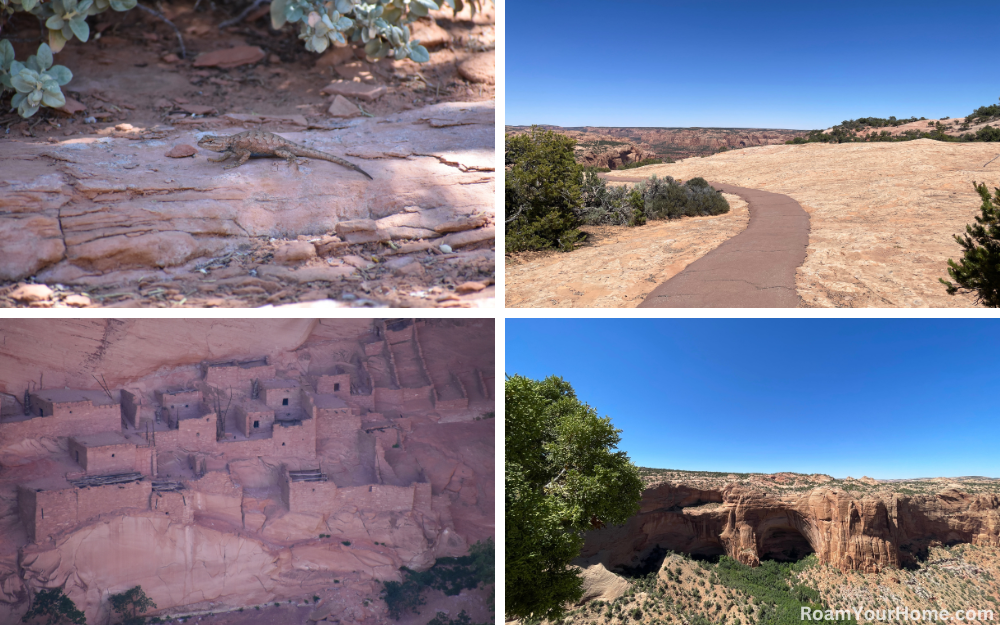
(866, 533)
(676, 143)
(383, 464)
(612, 157)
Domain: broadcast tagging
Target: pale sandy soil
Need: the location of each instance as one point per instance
(883, 215)
(619, 265)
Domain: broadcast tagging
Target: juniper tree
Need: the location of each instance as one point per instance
(978, 271)
(542, 191)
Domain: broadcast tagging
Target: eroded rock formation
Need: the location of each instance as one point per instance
(676, 143)
(613, 157)
(851, 531)
(293, 453)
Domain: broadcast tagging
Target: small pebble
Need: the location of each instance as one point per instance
(90, 120)
(445, 248)
(348, 297)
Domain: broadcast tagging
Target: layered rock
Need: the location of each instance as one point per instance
(90, 207)
(613, 157)
(865, 533)
(373, 464)
(675, 143)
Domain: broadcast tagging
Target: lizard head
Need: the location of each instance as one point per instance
(213, 143)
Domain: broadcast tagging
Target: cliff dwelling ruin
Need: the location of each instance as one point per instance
(350, 450)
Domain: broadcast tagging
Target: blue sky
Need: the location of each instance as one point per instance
(884, 398)
(745, 64)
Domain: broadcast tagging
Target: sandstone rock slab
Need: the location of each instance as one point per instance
(88, 209)
(231, 57)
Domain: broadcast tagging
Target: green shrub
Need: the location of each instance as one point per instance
(988, 133)
(56, 607)
(380, 26)
(442, 619)
(129, 605)
(635, 201)
(35, 83)
(449, 575)
(978, 271)
(542, 192)
(983, 113)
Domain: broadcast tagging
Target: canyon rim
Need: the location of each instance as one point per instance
(287, 467)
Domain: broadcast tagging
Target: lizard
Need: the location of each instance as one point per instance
(243, 145)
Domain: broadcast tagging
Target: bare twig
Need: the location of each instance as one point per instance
(247, 11)
(992, 159)
(163, 18)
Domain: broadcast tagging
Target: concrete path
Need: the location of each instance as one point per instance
(754, 269)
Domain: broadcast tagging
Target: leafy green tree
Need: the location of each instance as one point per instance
(562, 478)
(542, 191)
(55, 607)
(484, 561)
(979, 269)
(131, 604)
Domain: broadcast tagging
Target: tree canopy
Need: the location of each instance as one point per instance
(55, 607)
(131, 604)
(562, 477)
(979, 269)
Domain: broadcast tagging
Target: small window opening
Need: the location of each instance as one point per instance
(256, 424)
(185, 405)
(41, 413)
(78, 456)
(284, 402)
(336, 386)
(197, 433)
(112, 455)
(43, 513)
(282, 444)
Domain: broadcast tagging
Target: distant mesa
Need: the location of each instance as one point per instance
(613, 147)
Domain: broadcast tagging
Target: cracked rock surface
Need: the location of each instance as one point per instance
(102, 210)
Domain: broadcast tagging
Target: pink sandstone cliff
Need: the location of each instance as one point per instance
(251, 463)
(852, 532)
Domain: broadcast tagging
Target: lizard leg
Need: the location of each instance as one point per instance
(243, 157)
(225, 156)
(288, 156)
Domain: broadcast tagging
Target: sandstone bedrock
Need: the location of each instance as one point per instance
(229, 463)
(863, 525)
(93, 206)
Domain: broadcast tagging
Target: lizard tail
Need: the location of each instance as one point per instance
(361, 171)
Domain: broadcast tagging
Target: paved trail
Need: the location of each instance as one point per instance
(754, 269)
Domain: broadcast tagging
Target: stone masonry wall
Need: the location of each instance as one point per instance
(237, 378)
(104, 459)
(77, 424)
(328, 385)
(48, 512)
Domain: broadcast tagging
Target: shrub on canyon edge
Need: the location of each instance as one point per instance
(541, 191)
(656, 198)
(978, 271)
